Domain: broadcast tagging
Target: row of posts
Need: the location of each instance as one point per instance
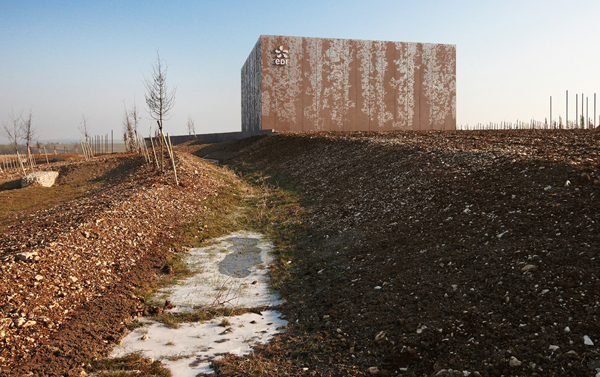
(586, 123)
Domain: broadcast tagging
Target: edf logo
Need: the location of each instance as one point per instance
(281, 56)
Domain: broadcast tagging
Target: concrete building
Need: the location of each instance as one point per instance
(303, 84)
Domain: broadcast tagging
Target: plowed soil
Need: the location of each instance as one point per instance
(441, 254)
(424, 254)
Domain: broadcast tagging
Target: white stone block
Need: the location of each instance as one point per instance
(39, 178)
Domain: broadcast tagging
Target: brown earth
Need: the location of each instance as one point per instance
(440, 254)
(421, 253)
(69, 272)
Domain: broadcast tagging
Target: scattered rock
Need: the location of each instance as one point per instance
(572, 353)
(593, 364)
(373, 370)
(145, 337)
(380, 335)
(26, 256)
(528, 267)
(29, 324)
(587, 341)
(514, 362)
(5, 323)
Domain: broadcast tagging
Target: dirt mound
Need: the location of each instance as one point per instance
(442, 253)
(68, 273)
(218, 151)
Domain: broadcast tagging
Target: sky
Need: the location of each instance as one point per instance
(65, 60)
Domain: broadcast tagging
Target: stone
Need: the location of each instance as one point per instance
(26, 256)
(39, 178)
(514, 362)
(380, 335)
(5, 323)
(593, 364)
(572, 353)
(528, 267)
(587, 341)
(373, 370)
(29, 324)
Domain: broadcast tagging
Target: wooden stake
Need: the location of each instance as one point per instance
(154, 151)
(170, 149)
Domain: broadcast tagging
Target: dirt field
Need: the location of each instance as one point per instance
(414, 253)
(442, 253)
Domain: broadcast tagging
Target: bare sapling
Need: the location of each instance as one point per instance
(191, 127)
(128, 134)
(14, 135)
(159, 99)
(28, 132)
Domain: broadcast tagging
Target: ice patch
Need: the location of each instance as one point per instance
(188, 350)
(229, 273)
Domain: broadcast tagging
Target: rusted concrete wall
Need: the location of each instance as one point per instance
(342, 84)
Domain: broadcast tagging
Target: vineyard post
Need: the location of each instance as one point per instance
(576, 110)
(587, 113)
(550, 113)
(567, 111)
(582, 124)
(594, 110)
(46, 153)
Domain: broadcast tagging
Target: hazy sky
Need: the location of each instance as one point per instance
(65, 59)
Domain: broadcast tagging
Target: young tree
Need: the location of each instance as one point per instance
(83, 128)
(28, 132)
(128, 134)
(14, 134)
(191, 127)
(158, 98)
(135, 119)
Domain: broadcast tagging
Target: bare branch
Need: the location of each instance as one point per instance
(191, 127)
(28, 132)
(13, 132)
(83, 128)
